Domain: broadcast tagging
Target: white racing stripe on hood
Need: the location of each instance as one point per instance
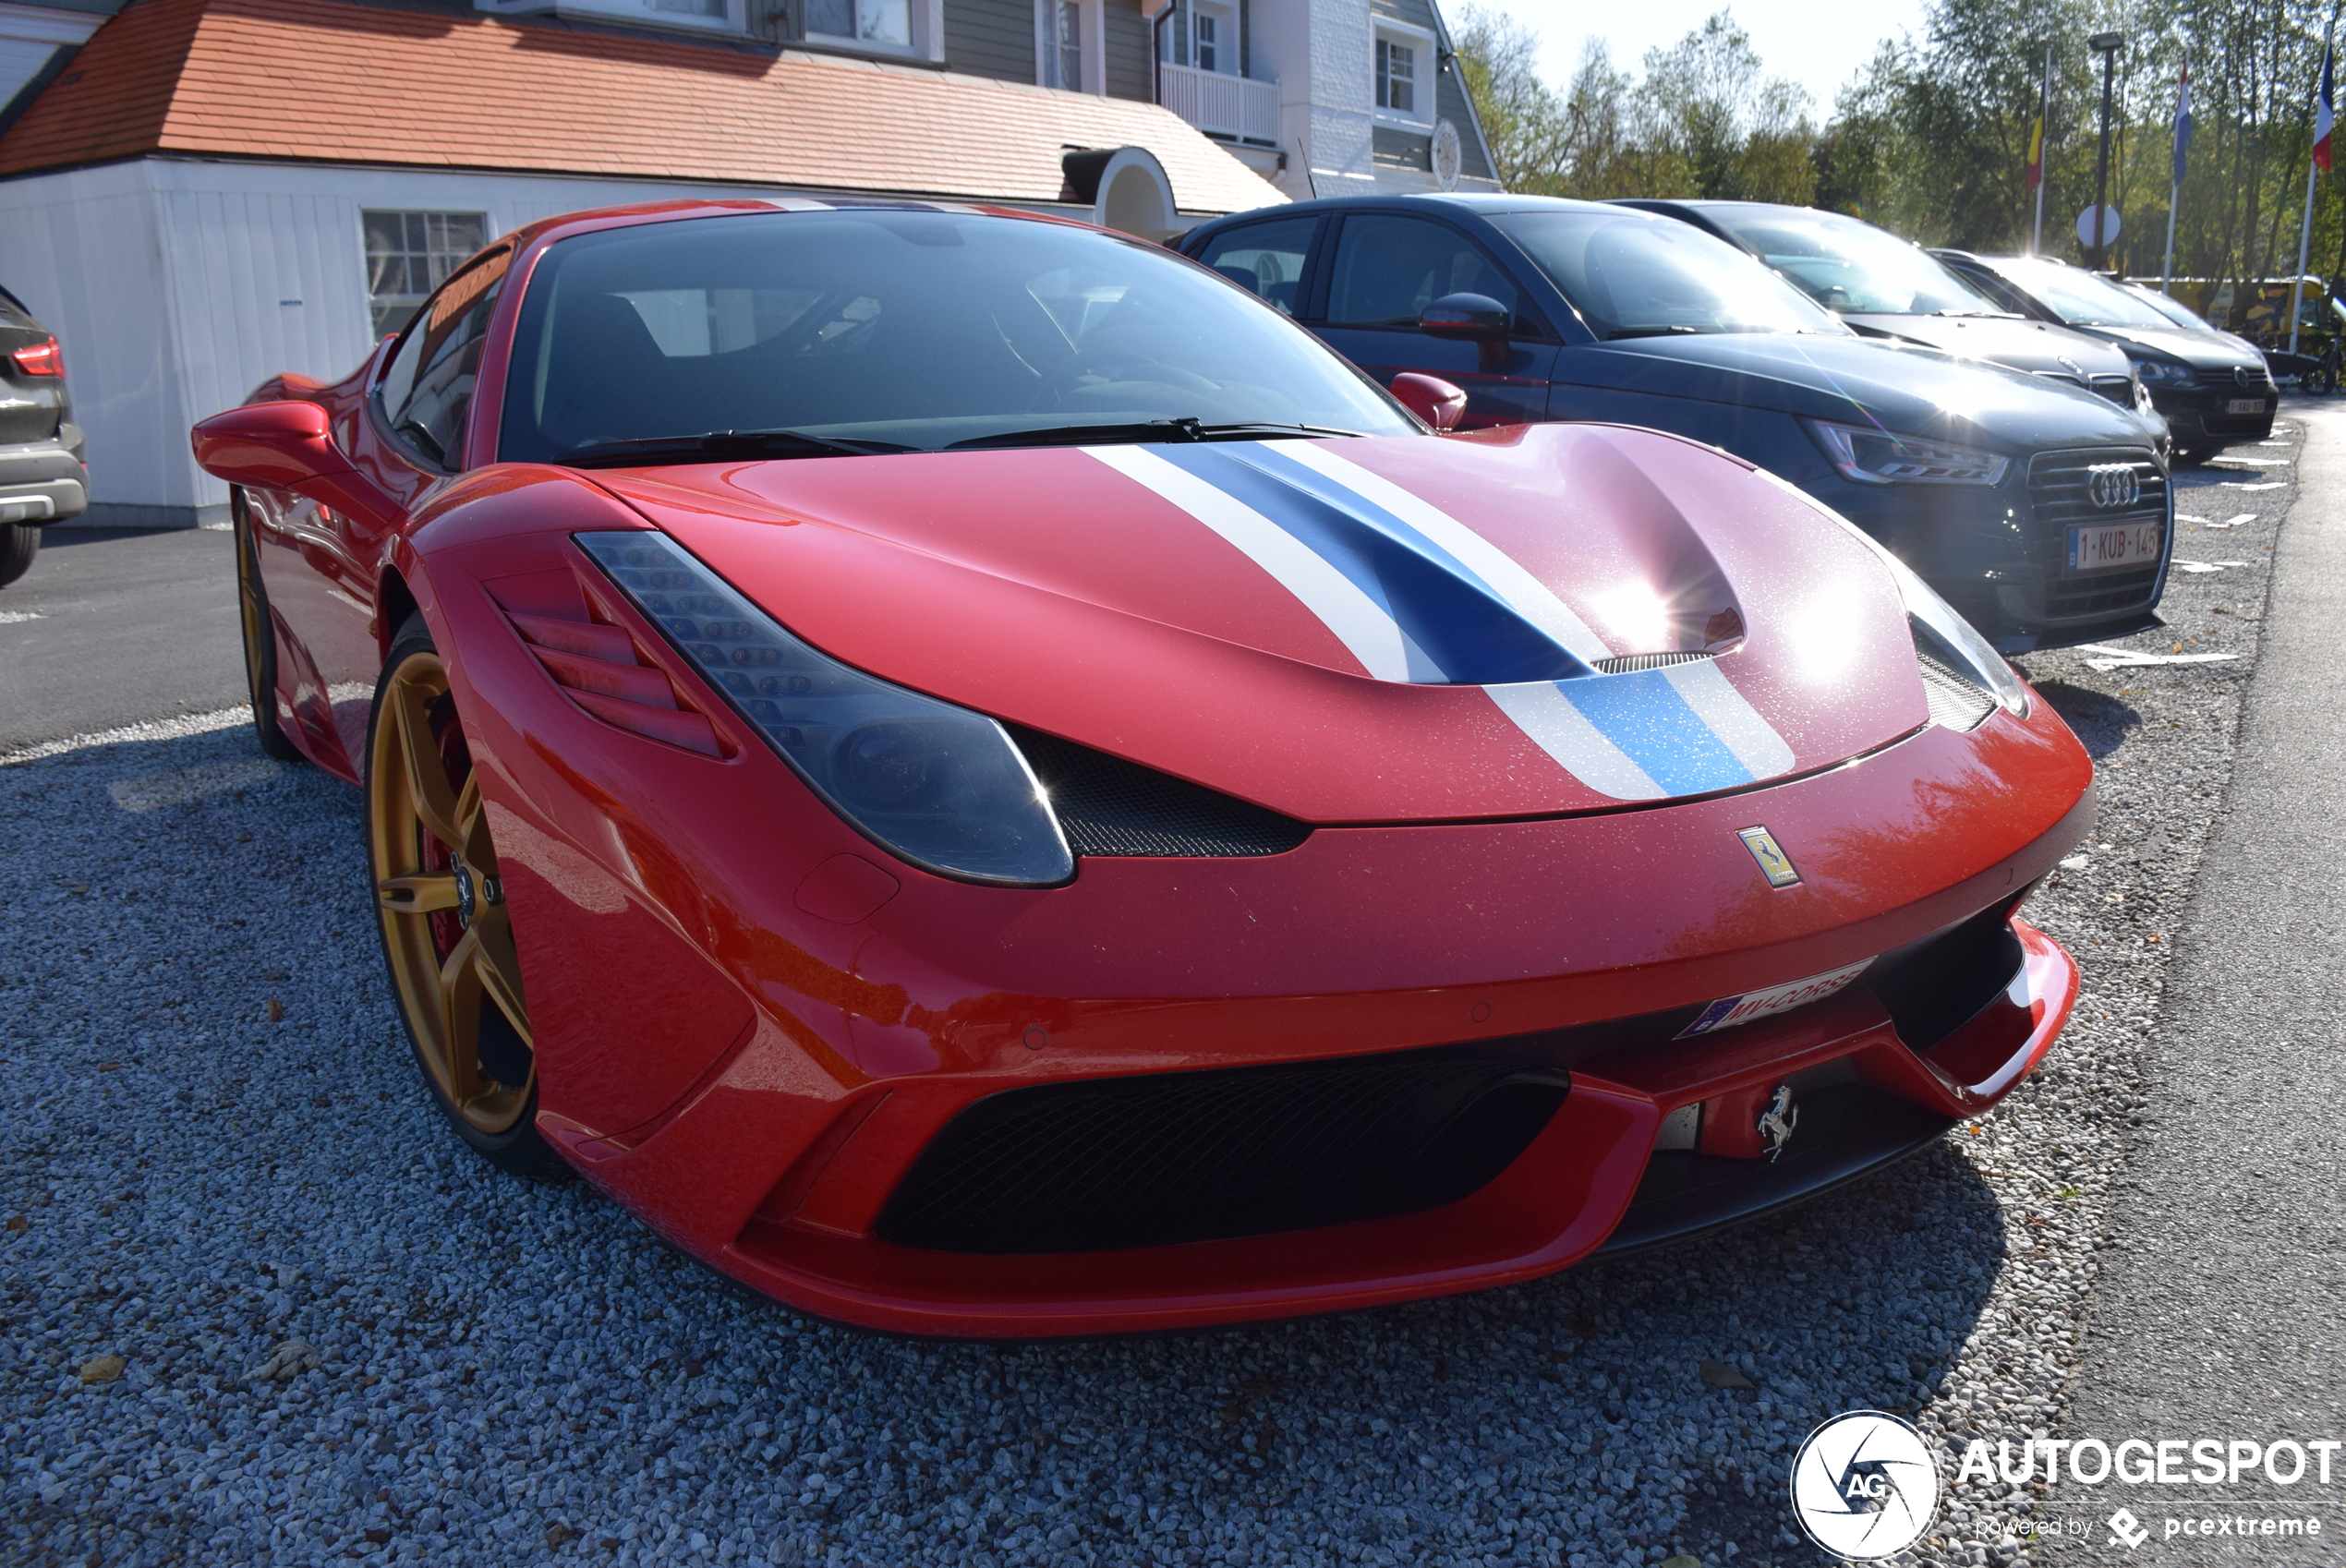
(1731, 716)
(1548, 720)
(1363, 626)
(1501, 573)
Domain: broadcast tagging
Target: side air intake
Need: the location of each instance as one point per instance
(1109, 806)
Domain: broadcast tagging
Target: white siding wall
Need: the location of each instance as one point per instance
(177, 286)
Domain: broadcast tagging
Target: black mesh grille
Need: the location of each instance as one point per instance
(1108, 806)
(1627, 662)
(1956, 701)
(2118, 390)
(2058, 489)
(1166, 1158)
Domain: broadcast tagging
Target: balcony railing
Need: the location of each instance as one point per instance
(1235, 107)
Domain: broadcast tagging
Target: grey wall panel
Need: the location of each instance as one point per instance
(1417, 13)
(994, 38)
(1402, 150)
(1126, 33)
(1451, 103)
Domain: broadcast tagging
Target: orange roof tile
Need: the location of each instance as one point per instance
(313, 79)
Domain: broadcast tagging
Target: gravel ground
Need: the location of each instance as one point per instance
(258, 1307)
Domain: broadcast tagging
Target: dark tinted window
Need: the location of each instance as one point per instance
(428, 389)
(1389, 269)
(1266, 258)
(914, 328)
(1630, 275)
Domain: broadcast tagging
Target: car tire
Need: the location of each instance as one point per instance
(447, 934)
(260, 638)
(20, 542)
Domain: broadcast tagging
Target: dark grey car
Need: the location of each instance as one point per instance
(2214, 389)
(42, 479)
(1887, 287)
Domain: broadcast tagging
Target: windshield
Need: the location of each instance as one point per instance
(898, 328)
(2078, 297)
(2175, 311)
(1630, 275)
(1849, 266)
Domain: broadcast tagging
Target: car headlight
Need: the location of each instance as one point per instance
(2166, 373)
(934, 784)
(1881, 457)
(1943, 634)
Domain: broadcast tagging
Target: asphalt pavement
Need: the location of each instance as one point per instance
(114, 626)
(2220, 1312)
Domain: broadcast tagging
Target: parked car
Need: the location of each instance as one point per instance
(986, 784)
(42, 479)
(2214, 390)
(1886, 287)
(2036, 507)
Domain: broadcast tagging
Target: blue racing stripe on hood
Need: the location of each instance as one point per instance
(1471, 634)
(1643, 713)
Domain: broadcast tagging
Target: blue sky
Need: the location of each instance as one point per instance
(1818, 43)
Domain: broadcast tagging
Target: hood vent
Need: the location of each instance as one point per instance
(1627, 662)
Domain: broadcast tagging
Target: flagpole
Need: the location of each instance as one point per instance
(2306, 230)
(2175, 189)
(2044, 124)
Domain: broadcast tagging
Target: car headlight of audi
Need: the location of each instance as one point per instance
(935, 784)
(1872, 457)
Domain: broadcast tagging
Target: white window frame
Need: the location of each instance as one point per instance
(637, 13)
(1094, 48)
(1421, 41)
(1225, 46)
(927, 18)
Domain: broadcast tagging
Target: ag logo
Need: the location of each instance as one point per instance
(2110, 485)
(1863, 1486)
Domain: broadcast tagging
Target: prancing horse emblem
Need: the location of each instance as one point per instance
(1774, 865)
(1777, 1121)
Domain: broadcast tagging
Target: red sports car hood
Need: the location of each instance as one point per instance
(1400, 629)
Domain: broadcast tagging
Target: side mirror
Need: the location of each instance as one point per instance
(1430, 398)
(276, 445)
(1469, 318)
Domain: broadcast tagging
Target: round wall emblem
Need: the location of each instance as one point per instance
(1864, 1487)
(2113, 486)
(1448, 155)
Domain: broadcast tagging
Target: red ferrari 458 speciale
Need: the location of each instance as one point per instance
(984, 783)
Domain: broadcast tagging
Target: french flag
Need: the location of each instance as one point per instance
(2325, 115)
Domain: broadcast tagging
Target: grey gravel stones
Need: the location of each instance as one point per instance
(216, 1163)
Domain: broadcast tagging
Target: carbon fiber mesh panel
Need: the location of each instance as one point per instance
(1163, 1157)
(1627, 662)
(1108, 806)
(1956, 701)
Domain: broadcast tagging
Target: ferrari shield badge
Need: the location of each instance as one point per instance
(1774, 865)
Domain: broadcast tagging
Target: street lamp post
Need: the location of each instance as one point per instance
(2107, 45)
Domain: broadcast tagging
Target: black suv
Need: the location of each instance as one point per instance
(43, 477)
(2215, 389)
(2038, 508)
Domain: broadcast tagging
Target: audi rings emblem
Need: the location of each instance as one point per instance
(2113, 486)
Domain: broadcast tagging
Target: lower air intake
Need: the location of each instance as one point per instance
(1109, 806)
(1163, 1157)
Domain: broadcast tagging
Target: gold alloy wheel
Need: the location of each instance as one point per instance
(446, 933)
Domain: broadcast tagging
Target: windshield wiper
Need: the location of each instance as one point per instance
(1619, 332)
(1148, 430)
(716, 446)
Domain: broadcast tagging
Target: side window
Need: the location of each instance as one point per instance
(1266, 258)
(429, 388)
(1388, 269)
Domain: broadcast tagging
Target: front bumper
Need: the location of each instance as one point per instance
(2200, 418)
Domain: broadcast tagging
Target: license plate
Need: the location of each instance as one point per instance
(2245, 405)
(2113, 544)
(1729, 1011)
